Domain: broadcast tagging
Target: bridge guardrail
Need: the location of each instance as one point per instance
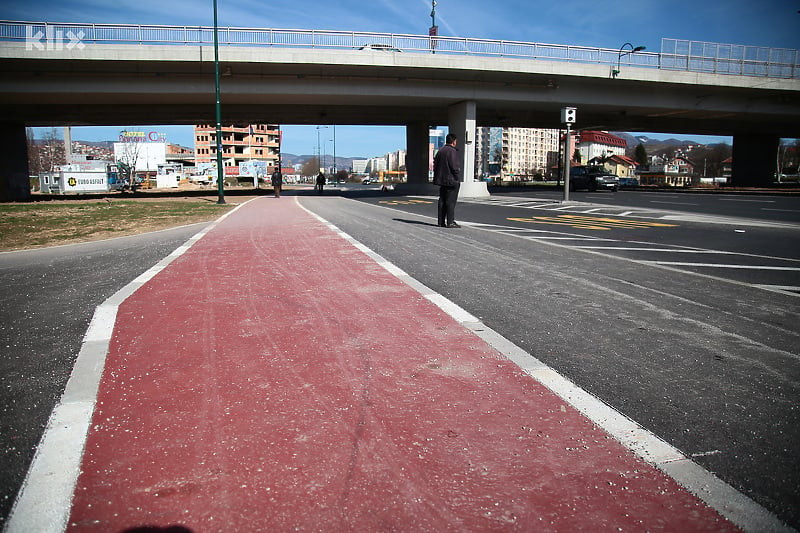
(692, 56)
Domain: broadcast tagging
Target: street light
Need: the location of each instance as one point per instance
(433, 31)
(622, 53)
(319, 152)
(220, 178)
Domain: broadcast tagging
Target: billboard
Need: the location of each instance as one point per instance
(256, 169)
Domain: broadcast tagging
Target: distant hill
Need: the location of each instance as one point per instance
(652, 145)
(341, 162)
(633, 140)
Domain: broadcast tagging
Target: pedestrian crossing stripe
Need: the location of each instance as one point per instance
(595, 223)
(404, 202)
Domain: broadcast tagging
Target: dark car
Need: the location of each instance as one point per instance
(592, 179)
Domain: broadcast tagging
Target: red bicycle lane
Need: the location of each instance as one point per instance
(245, 390)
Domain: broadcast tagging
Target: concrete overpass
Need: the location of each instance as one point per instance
(411, 81)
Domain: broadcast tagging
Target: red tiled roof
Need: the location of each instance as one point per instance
(601, 137)
(625, 160)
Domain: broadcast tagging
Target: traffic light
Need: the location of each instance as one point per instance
(568, 115)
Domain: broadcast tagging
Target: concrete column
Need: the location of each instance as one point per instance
(418, 161)
(417, 153)
(461, 119)
(754, 160)
(14, 181)
(68, 145)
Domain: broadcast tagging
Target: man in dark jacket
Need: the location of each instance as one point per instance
(447, 175)
(277, 182)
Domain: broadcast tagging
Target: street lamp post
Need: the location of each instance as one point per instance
(622, 53)
(334, 151)
(433, 31)
(319, 154)
(220, 173)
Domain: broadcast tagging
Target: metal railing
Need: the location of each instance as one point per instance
(675, 54)
(698, 56)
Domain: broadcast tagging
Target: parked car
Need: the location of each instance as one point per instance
(628, 182)
(592, 179)
(606, 181)
(366, 181)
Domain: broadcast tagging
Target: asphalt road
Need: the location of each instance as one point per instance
(688, 327)
(47, 298)
(764, 206)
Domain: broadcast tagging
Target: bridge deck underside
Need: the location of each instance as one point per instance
(383, 88)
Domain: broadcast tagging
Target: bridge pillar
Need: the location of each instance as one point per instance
(754, 159)
(418, 161)
(15, 184)
(461, 119)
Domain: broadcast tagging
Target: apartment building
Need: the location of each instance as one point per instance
(240, 143)
(516, 154)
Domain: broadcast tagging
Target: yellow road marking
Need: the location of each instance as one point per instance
(596, 223)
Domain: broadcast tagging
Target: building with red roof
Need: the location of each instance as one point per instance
(599, 144)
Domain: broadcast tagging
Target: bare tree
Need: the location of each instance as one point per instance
(126, 162)
(311, 167)
(51, 151)
(34, 156)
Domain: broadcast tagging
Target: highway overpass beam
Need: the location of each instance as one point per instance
(14, 181)
(754, 159)
(461, 121)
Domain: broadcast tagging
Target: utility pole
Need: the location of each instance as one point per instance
(433, 31)
(220, 172)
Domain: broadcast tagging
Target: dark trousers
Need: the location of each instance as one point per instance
(448, 196)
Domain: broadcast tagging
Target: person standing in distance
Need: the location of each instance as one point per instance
(320, 182)
(277, 182)
(447, 175)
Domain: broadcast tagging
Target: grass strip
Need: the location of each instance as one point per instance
(33, 225)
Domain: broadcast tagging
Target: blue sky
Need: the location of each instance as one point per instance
(607, 24)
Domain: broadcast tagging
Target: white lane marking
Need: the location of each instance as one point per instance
(45, 498)
(790, 290)
(721, 265)
(671, 203)
(645, 249)
(781, 287)
(746, 200)
(726, 500)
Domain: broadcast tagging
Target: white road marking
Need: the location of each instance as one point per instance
(746, 200)
(790, 290)
(645, 249)
(722, 265)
